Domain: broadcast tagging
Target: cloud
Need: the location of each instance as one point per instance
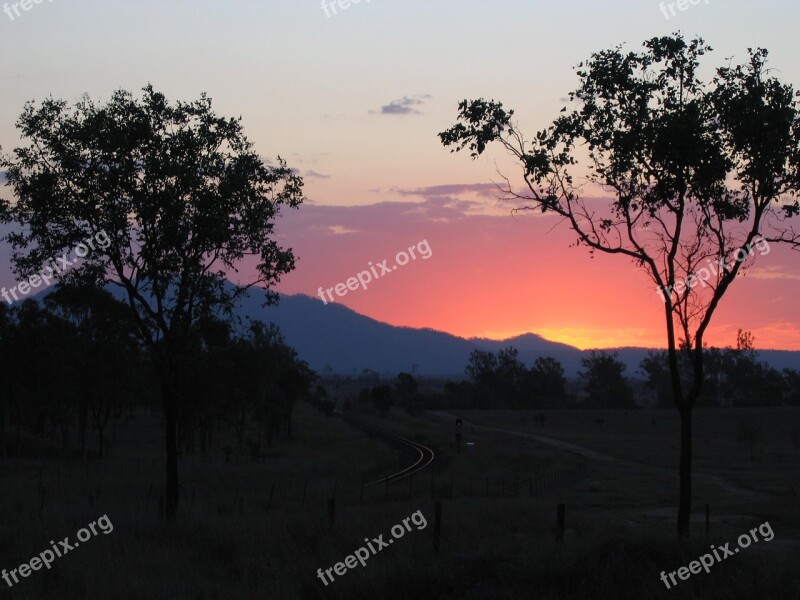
(314, 174)
(780, 272)
(486, 190)
(341, 229)
(404, 106)
(466, 198)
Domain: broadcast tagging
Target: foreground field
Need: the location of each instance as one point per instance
(260, 529)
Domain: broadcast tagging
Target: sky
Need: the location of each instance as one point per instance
(354, 101)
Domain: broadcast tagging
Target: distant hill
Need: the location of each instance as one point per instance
(348, 342)
(335, 336)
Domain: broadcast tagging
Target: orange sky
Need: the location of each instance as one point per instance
(500, 275)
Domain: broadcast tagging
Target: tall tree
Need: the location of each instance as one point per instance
(172, 197)
(546, 382)
(381, 396)
(406, 386)
(482, 370)
(605, 381)
(748, 381)
(104, 368)
(511, 376)
(699, 176)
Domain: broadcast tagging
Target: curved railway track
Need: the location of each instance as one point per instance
(424, 458)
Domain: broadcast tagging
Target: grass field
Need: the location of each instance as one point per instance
(259, 529)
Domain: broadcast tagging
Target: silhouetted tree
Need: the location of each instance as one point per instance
(407, 387)
(655, 366)
(546, 384)
(791, 379)
(699, 175)
(103, 374)
(174, 197)
(511, 377)
(605, 382)
(35, 342)
(747, 381)
(482, 370)
(381, 396)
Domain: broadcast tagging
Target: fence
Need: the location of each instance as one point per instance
(97, 480)
(427, 485)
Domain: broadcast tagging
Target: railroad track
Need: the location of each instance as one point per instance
(424, 458)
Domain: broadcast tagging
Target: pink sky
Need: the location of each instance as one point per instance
(500, 275)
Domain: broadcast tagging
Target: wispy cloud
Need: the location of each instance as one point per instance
(341, 229)
(467, 198)
(404, 106)
(487, 190)
(773, 272)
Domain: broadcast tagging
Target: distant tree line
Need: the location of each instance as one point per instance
(73, 365)
(733, 377)
(502, 381)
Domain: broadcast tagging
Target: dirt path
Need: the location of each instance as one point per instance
(585, 452)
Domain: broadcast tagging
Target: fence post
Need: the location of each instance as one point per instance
(560, 510)
(331, 511)
(437, 525)
(235, 496)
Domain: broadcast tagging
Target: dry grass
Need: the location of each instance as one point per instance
(620, 519)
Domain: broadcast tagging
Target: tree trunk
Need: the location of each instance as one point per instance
(204, 431)
(240, 429)
(170, 399)
(100, 447)
(3, 446)
(18, 442)
(64, 436)
(83, 418)
(685, 506)
(189, 438)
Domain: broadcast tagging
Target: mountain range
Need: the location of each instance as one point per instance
(334, 338)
